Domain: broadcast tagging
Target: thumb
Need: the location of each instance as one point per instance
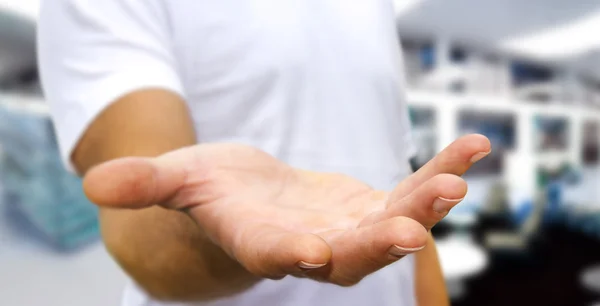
(133, 182)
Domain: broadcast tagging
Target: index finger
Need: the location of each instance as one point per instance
(455, 159)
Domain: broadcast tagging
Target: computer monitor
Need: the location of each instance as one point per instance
(551, 133)
(590, 142)
(499, 127)
(424, 122)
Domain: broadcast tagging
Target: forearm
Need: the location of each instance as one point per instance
(430, 284)
(164, 251)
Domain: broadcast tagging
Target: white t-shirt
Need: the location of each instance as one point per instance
(315, 83)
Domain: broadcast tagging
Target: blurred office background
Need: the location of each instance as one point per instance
(524, 73)
(50, 254)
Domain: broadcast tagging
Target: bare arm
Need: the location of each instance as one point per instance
(430, 285)
(171, 258)
(164, 251)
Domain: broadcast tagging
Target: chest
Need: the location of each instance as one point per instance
(229, 43)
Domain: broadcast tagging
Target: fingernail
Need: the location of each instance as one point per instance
(477, 157)
(309, 266)
(398, 251)
(443, 205)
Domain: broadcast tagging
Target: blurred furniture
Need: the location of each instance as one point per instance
(549, 91)
(497, 200)
(41, 197)
(581, 203)
(590, 279)
(495, 213)
(460, 258)
(517, 241)
(465, 218)
(461, 220)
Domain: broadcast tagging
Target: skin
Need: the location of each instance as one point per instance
(197, 222)
(430, 286)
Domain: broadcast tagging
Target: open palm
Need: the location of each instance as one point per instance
(277, 220)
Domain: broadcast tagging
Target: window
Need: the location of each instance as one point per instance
(458, 55)
(499, 128)
(524, 73)
(427, 57)
(591, 145)
(551, 133)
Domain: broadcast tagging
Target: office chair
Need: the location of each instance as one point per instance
(516, 243)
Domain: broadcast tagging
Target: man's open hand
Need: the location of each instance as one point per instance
(277, 220)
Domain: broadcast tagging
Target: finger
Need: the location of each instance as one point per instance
(455, 159)
(133, 182)
(362, 251)
(271, 252)
(427, 204)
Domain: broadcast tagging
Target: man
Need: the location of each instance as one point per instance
(294, 104)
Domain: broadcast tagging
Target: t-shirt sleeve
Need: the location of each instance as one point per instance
(91, 53)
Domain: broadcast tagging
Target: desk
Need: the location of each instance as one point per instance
(582, 198)
(460, 258)
(590, 278)
(461, 219)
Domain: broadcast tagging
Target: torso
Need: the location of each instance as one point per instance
(315, 83)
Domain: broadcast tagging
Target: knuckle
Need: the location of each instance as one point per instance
(263, 270)
(347, 281)
(445, 162)
(400, 224)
